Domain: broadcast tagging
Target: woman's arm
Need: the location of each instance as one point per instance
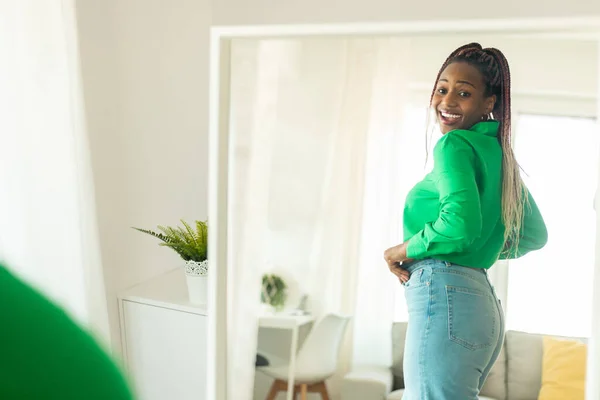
(459, 222)
(533, 235)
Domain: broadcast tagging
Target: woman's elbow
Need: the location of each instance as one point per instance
(467, 231)
(462, 225)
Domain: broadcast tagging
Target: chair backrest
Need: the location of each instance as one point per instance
(320, 351)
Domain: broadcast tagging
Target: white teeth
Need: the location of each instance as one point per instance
(446, 115)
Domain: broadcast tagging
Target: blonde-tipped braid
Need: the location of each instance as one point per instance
(514, 196)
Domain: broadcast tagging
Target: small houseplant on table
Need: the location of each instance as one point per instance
(273, 292)
(191, 245)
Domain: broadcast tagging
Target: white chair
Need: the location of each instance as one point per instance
(316, 361)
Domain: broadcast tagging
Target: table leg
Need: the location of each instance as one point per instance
(292, 369)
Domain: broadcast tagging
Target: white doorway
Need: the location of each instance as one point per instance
(220, 148)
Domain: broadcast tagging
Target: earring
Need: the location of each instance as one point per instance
(487, 117)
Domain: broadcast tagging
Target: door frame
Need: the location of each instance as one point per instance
(219, 111)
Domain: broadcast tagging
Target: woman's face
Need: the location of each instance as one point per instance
(459, 98)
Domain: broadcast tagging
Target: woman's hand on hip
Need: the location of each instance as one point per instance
(394, 257)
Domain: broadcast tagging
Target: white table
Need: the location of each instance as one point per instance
(292, 322)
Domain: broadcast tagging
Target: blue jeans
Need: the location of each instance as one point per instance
(455, 331)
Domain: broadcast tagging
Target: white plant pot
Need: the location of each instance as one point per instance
(197, 289)
(196, 277)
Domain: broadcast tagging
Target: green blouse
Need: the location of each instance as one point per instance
(454, 213)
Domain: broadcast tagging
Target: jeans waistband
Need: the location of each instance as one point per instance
(419, 264)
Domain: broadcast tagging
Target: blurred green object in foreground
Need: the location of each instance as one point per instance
(44, 355)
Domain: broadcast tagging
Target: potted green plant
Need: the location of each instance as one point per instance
(192, 246)
(274, 291)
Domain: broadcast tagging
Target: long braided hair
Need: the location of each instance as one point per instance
(496, 76)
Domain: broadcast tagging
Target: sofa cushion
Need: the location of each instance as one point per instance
(524, 353)
(524, 360)
(495, 384)
(563, 369)
(398, 338)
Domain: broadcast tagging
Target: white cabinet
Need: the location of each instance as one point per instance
(164, 339)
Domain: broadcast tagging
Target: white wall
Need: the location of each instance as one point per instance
(145, 76)
(250, 12)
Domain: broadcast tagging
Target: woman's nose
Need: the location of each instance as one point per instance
(449, 100)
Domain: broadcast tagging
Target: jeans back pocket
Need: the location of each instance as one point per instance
(471, 317)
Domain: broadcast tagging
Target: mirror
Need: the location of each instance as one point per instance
(327, 137)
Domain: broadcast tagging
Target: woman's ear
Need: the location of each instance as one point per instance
(490, 102)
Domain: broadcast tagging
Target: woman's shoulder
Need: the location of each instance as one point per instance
(468, 139)
(455, 140)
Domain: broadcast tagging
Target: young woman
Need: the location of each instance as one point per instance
(470, 211)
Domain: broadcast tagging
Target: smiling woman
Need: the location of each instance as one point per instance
(458, 221)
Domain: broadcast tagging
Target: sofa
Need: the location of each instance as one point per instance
(517, 374)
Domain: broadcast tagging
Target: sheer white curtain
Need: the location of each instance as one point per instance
(563, 179)
(391, 165)
(47, 213)
(314, 126)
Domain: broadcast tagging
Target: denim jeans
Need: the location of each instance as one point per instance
(455, 331)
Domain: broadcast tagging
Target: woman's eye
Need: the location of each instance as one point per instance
(465, 94)
(442, 91)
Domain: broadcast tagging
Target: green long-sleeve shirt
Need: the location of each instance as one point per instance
(45, 356)
(454, 213)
